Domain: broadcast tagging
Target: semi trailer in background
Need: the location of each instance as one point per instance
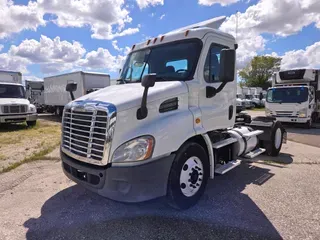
(14, 107)
(55, 95)
(295, 96)
(35, 94)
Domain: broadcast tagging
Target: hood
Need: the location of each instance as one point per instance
(126, 96)
(8, 101)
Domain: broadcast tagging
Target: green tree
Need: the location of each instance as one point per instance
(259, 71)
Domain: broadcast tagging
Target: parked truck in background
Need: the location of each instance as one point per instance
(14, 107)
(55, 96)
(295, 96)
(245, 93)
(169, 126)
(35, 94)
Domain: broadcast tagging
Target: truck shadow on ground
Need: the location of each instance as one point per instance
(282, 158)
(299, 130)
(13, 127)
(224, 212)
(50, 117)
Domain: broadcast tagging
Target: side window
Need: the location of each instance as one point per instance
(212, 64)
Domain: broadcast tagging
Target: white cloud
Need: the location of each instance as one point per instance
(101, 59)
(48, 50)
(12, 63)
(1, 47)
(16, 18)
(106, 18)
(145, 3)
(127, 50)
(281, 18)
(307, 58)
(31, 78)
(115, 45)
(162, 16)
(212, 2)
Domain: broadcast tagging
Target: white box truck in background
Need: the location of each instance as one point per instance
(55, 95)
(35, 94)
(294, 96)
(14, 107)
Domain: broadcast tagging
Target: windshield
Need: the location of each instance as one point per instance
(11, 91)
(287, 95)
(173, 61)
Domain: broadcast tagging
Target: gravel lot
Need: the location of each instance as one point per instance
(272, 198)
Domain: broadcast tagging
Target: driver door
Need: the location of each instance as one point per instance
(218, 111)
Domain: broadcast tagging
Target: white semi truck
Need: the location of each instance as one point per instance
(55, 96)
(14, 107)
(294, 97)
(35, 94)
(169, 126)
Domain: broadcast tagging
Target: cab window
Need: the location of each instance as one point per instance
(212, 64)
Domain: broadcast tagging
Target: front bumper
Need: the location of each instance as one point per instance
(121, 183)
(240, 108)
(292, 119)
(18, 118)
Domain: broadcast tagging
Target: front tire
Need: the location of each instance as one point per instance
(188, 176)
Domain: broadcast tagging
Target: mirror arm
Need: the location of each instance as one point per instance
(72, 95)
(142, 112)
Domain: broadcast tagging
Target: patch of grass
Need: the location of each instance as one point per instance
(258, 109)
(40, 155)
(9, 140)
(2, 157)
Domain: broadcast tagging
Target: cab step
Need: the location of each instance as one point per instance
(222, 169)
(255, 153)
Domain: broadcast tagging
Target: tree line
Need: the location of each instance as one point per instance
(259, 71)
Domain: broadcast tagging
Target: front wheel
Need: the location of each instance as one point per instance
(188, 176)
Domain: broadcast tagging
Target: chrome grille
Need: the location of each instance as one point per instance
(14, 108)
(87, 131)
(284, 113)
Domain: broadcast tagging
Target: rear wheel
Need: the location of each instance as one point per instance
(274, 146)
(188, 176)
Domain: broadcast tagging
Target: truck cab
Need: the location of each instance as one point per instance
(293, 98)
(169, 126)
(14, 107)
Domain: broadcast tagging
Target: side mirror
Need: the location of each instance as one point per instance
(148, 80)
(227, 65)
(318, 95)
(71, 87)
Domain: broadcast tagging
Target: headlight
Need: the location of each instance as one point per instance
(32, 108)
(303, 113)
(138, 149)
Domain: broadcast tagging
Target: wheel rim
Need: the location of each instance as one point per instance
(191, 176)
(278, 139)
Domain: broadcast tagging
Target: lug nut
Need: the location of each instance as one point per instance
(200, 179)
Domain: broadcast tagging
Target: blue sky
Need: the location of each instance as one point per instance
(85, 36)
